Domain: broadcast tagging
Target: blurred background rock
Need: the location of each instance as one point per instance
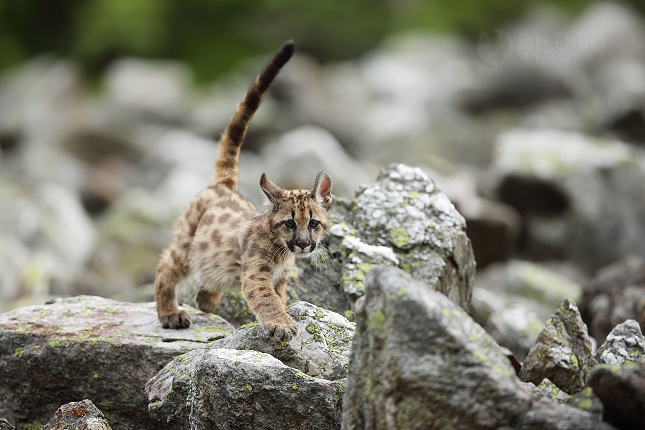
(529, 116)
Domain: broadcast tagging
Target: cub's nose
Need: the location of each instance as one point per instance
(303, 244)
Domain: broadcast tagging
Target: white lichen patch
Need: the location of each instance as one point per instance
(361, 257)
(376, 254)
(341, 229)
(625, 344)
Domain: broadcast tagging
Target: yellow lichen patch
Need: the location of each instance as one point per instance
(399, 236)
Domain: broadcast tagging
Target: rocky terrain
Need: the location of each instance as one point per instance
(446, 157)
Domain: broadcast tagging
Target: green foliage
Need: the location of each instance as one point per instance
(215, 35)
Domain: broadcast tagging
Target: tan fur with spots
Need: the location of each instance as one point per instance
(229, 245)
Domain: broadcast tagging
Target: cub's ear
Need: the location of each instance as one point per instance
(321, 191)
(272, 192)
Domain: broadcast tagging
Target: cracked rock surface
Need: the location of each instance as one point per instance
(417, 358)
(90, 348)
(231, 389)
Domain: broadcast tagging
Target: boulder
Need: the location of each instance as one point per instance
(321, 348)
(231, 389)
(530, 280)
(90, 348)
(419, 360)
(405, 211)
(615, 294)
(553, 391)
(514, 322)
(622, 391)
(312, 149)
(81, 415)
(625, 344)
(587, 400)
(513, 299)
(580, 197)
(158, 87)
(562, 352)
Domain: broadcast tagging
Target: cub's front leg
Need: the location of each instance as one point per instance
(268, 306)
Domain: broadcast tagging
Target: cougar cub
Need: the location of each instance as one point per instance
(223, 239)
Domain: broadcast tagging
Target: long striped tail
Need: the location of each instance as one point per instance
(226, 165)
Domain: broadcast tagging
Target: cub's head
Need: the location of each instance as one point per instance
(298, 219)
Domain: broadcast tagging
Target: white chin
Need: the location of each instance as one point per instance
(301, 254)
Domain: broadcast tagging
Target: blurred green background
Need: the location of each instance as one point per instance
(214, 35)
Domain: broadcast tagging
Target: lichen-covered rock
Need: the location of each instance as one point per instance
(622, 391)
(402, 220)
(512, 300)
(625, 344)
(405, 211)
(83, 415)
(514, 322)
(562, 352)
(530, 280)
(231, 389)
(321, 348)
(93, 348)
(553, 391)
(586, 400)
(419, 360)
(616, 293)
(580, 196)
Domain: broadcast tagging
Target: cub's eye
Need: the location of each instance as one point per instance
(290, 223)
(313, 223)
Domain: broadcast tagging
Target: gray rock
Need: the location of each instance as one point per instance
(586, 400)
(157, 86)
(493, 227)
(312, 149)
(321, 348)
(419, 360)
(553, 391)
(562, 352)
(625, 344)
(622, 391)
(615, 294)
(580, 197)
(404, 211)
(513, 299)
(81, 415)
(546, 415)
(92, 348)
(529, 280)
(231, 389)
(514, 322)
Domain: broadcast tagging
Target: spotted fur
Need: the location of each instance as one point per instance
(229, 245)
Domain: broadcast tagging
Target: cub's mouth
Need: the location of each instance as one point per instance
(301, 250)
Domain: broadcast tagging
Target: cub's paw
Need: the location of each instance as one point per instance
(176, 320)
(282, 332)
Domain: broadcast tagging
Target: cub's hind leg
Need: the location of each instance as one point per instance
(173, 263)
(170, 270)
(208, 301)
